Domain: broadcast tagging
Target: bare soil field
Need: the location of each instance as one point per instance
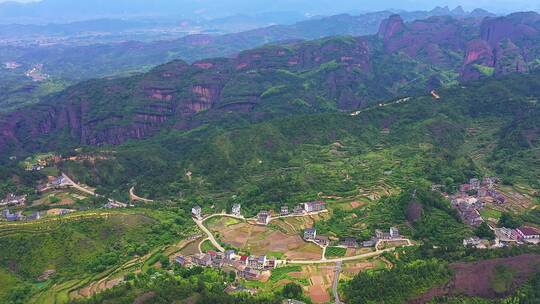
(477, 279)
(192, 248)
(320, 279)
(259, 240)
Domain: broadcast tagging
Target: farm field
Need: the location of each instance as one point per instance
(260, 240)
(104, 247)
(316, 281)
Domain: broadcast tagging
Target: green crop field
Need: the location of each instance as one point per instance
(332, 252)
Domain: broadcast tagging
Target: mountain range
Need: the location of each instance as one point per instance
(331, 74)
(64, 10)
(73, 62)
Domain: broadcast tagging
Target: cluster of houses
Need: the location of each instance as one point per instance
(507, 237)
(246, 267)
(264, 217)
(55, 183)
(13, 200)
(472, 197)
(41, 163)
(310, 235)
(18, 216)
(392, 234)
(112, 204)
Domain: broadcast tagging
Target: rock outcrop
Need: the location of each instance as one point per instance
(341, 73)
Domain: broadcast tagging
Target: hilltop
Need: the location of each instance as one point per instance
(330, 74)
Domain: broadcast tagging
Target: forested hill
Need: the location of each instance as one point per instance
(483, 128)
(332, 74)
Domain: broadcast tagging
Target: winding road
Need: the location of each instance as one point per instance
(78, 187)
(209, 234)
(134, 197)
(323, 260)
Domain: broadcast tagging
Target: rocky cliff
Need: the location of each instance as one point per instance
(338, 74)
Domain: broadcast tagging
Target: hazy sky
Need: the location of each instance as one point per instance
(495, 5)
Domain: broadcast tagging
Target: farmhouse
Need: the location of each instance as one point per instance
(464, 188)
(350, 242)
(196, 212)
(34, 217)
(314, 206)
(230, 255)
(506, 235)
(472, 242)
(497, 196)
(249, 274)
(252, 261)
(236, 210)
(13, 217)
(310, 234)
(261, 262)
(182, 260)
(298, 210)
(13, 200)
(392, 234)
(468, 212)
(202, 259)
(322, 240)
(272, 263)
(369, 243)
(112, 204)
(284, 210)
(528, 234)
(263, 218)
(475, 183)
(489, 182)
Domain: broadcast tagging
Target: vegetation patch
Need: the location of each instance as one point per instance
(282, 273)
(335, 252)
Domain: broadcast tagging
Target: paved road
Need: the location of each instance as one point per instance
(323, 260)
(78, 187)
(344, 259)
(297, 215)
(209, 234)
(223, 215)
(336, 283)
(134, 197)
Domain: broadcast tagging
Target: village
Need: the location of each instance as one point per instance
(255, 247)
(476, 195)
(53, 183)
(251, 267)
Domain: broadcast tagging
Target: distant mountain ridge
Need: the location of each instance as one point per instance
(67, 10)
(331, 74)
(83, 62)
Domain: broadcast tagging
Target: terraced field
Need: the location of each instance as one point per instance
(102, 247)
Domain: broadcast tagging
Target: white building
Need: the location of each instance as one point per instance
(196, 212)
(236, 210)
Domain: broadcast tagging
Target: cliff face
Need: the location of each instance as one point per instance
(507, 44)
(335, 73)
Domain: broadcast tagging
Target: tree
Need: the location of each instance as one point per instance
(292, 291)
(507, 220)
(165, 263)
(484, 232)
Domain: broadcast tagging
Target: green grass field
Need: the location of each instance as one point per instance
(282, 272)
(207, 246)
(332, 252)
